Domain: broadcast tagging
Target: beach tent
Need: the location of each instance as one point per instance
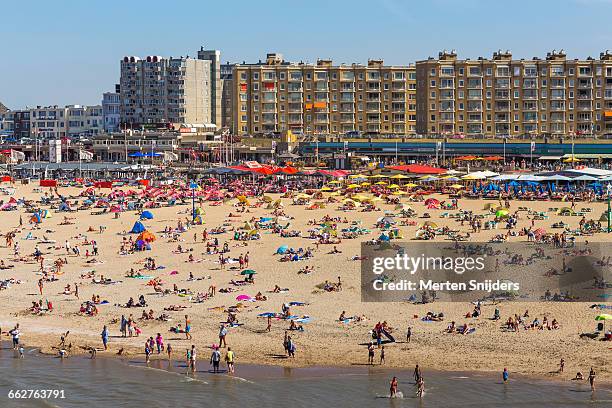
(247, 226)
(383, 237)
(138, 228)
(36, 218)
(45, 214)
(198, 220)
(282, 249)
(146, 215)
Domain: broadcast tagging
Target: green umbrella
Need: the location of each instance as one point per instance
(248, 272)
(604, 317)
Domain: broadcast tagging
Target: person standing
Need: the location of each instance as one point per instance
(123, 326)
(408, 334)
(561, 365)
(193, 358)
(505, 375)
(105, 335)
(222, 334)
(229, 359)
(592, 379)
(169, 351)
(40, 286)
(417, 373)
(382, 355)
(187, 328)
(15, 333)
(371, 353)
(215, 358)
(159, 342)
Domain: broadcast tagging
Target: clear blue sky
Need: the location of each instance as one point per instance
(68, 51)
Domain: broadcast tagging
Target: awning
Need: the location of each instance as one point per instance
(550, 157)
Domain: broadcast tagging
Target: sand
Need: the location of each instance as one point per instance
(325, 342)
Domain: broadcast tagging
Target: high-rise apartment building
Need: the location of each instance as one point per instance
(322, 98)
(214, 56)
(227, 96)
(506, 97)
(158, 91)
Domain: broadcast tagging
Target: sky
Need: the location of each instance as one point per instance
(69, 53)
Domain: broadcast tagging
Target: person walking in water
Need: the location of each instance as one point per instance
(505, 375)
(592, 379)
(215, 358)
(105, 335)
(371, 353)
(420, 387)
(393, 388)
(417, 373)
(229, 359)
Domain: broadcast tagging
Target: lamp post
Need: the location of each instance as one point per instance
(609, 217)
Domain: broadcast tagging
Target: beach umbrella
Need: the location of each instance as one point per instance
(379, 176)
(365, 184)
(355, 176)
(603, 317)
(393, 186)
(539, 233)
(571, 159)
(381, 183)
(411, 185)
(456, 186)
(430, 224)
(243, 297)
(248, 272)
(353, 186)
(335, 182)
(502, 213)
(326, 189)
(399, 177)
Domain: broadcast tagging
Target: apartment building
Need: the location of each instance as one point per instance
(216, 86)
(227, 96)
(84, 121)
(322, 98)
(7, 123)
(158, 91)
(502, 96)
(48, 122)
(110, 110)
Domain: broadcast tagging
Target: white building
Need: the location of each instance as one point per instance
(48, 122)
(84, 121)
(110, 111)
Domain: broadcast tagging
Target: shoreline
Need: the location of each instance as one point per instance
(262, 366)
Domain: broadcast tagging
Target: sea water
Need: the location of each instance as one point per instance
(129, 382)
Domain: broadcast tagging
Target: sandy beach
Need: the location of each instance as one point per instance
(325, 341)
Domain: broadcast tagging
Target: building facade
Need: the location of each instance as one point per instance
(322, 98)
(162, 91)
(48, 122)
(110, 111)
(506, 97)
(7, 124)
(214, 57)
(227, 96)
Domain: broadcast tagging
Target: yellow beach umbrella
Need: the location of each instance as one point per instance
(326, 189)
(353, 186)
(365, 184)
(381, 183)
(335, 182)
(399, 177)
(394, 186)
(379, 176)
(354, 176)
(456, 186)
(571, 159)
(411, 185)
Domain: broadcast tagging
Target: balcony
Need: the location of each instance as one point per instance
(502, 118)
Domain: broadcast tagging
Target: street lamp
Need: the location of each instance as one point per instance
(193, 187)
(609, 217)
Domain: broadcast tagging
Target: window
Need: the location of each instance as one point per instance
(256, 76)
(432, 83)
